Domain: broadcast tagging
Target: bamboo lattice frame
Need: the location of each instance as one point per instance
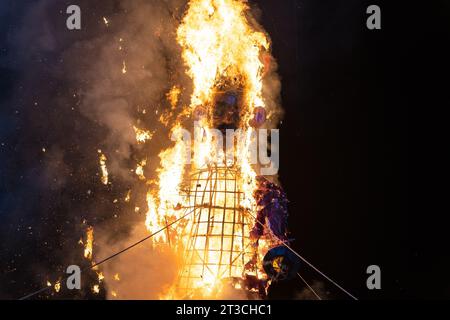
(218, 246)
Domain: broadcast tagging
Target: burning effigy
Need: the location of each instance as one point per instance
(230, 219)
(238, 216)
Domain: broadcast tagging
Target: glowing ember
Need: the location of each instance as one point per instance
(57, 286)
(142, 135)
(101, 277)
(103, 168)
(128, 196)
(140, 169)
(96, 289)
(89, 243)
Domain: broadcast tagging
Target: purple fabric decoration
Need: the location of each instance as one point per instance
(272, 205)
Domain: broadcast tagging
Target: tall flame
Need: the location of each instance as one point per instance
(222, 48)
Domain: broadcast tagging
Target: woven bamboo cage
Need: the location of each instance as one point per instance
(219, 246)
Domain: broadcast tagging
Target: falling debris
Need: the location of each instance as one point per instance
(124, 67)
(128, 196)
(96, 289)
(101, 277)
(103, 168)
(57, 286)
(106, 21)
(88, 248)
(140, 169)
(142, 135)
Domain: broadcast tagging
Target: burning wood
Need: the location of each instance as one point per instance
(88, 250)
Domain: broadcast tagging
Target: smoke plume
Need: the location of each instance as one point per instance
(79, 92)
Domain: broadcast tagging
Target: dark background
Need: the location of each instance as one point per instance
(344, 147)
(362, 142)
(349, 161)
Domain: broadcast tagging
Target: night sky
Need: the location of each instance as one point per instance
(346, 92)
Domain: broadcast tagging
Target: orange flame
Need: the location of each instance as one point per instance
(222, 48)
(88, 250)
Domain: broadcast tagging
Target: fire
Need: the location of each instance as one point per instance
(140, 169)
(88, 250)
(57, 286)
(103, 168)
(142, 135)
(220, 46)
(173, 96)
(223, 50)
(100, 276)
(128, 196)
(96, 289)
